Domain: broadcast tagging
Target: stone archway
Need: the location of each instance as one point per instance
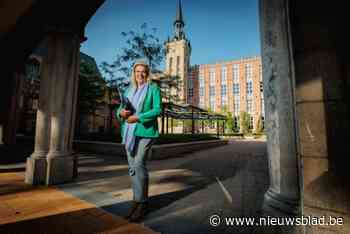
(305, 72)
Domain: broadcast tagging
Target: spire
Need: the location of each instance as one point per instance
(179, 18)
(179, 23)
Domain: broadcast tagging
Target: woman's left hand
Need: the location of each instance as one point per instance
(132, 119)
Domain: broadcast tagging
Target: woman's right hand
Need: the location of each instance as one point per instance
(125, 113)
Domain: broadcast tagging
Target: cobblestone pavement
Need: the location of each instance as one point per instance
(229, 181)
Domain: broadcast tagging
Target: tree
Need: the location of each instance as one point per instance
(244, 122)
(208, 122)
(229, 123)
(113, 84)
(259, 126)
(92, 89)
(139, 44)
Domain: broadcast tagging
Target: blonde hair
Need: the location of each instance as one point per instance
(133, 78)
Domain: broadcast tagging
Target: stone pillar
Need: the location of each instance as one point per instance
(73, 121)
(63, 49)
(36, 163)
(283, 195)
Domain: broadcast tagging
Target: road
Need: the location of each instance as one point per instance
(229, 181)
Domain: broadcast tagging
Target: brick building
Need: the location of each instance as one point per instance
(235, 85)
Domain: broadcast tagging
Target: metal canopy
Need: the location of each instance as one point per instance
(187, 111)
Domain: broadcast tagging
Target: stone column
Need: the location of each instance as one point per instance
(73, 120)
(63, 49)
(283, 195)
(36, 163)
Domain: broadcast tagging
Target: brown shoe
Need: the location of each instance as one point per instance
(132, 209)
(139, 213)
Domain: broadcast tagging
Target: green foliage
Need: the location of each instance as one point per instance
(244, 118)
(259, 126)
(139, 44)
(229, 123)
(91, 88)
(236, 129)
(188, 125)
(224, 110)
(207, 123)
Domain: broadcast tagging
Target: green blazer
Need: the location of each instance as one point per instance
(147, 125)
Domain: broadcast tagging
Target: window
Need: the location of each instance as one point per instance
(201, 91)
(212, 77)
(223, 76)
(170, 65)
(249, 106)
(190, 83)
(212, 103)
(201, 102)
(32, 70)
(190, 92)
(235, 73)
(35, 104)
(236, 89)
(201, 79)
(250, 88)
(223, 101)
(248, 71)
(212, 91)
(223, 90)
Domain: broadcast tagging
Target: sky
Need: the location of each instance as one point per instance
(219, 30)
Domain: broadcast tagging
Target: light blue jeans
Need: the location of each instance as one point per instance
(138, 170)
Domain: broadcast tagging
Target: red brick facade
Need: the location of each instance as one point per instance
(219, 81)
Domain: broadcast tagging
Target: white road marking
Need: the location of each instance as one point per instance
(227, 194)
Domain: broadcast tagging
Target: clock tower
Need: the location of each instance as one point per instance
(178, 56)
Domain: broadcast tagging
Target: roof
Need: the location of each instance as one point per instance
(179, 17)
(187, 111)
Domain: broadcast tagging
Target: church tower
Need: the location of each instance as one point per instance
(178, 55)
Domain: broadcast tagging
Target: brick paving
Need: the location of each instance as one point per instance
(25, 209)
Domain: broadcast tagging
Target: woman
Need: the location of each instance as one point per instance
(139, 128)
